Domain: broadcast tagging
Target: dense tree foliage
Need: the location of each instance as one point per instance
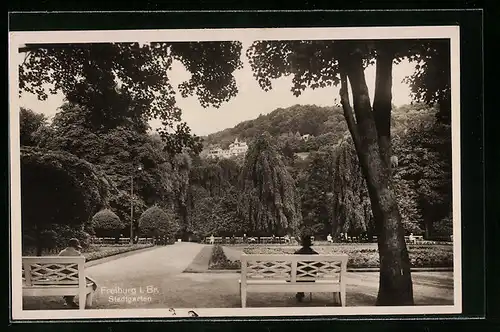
(119, 152)
(29, 123)
(58, 188)
(425, 165)
(217, 215)
(431, 81)
(271, 201)
(317, 193)
(352, 210)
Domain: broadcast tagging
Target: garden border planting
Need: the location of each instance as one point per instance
(95, 255)
(361, 259)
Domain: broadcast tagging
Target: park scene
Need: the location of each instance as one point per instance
(234, 174)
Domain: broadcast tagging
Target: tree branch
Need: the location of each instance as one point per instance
(348, 112)
(26, 57)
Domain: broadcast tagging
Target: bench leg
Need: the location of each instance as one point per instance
(343, 297)
(243, 294)
(81, 301)
(90, 296)
(336, 298)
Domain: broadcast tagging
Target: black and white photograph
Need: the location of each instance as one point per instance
(235, 172)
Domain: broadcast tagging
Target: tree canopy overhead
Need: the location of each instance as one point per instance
(129, 81)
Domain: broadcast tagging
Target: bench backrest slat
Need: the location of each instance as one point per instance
(54, 270)
(293, 268)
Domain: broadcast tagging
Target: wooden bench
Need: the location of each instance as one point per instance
(57, 276)
(416, 239)
(293, 273)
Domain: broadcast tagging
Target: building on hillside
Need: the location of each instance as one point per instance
(235, 149)
(306, 137)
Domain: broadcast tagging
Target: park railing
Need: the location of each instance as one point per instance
(250, 240)
(415, 239)
(120, 241)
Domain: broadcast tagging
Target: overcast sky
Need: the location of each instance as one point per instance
(250, 101)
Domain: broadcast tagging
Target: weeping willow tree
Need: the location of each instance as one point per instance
(270, 201)
(351, 203)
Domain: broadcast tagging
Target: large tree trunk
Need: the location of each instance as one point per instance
(373, 149)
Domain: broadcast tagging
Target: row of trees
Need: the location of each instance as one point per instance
(154, 222)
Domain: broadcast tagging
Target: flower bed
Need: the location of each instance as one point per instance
(219, 261)
(366, 255)
(98, 252)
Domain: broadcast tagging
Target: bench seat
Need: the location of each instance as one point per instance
(55, 290)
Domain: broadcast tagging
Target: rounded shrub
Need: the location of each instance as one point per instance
(107, 223)
(156, 222)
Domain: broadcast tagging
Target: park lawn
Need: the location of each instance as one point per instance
(361, 255)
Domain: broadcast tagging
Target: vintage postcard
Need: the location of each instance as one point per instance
(235, 172)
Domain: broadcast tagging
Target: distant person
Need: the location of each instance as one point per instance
(212, 239)
(74, 249)
(411, 238)
(329, 238)
(306, 242)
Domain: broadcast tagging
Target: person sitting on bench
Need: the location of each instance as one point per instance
(306, 242)
(73, 249)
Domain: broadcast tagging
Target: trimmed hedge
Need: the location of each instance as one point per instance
(107, 222)
(156, 222)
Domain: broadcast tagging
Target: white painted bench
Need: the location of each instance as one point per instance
(293, 273)
(57, 276)
(416, 239)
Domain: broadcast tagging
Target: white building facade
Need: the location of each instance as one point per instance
(235, 149)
